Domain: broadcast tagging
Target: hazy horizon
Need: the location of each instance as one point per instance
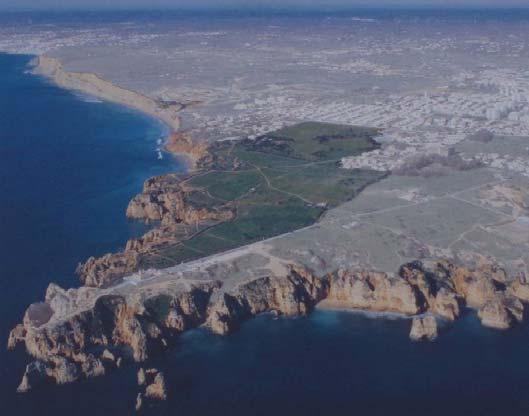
(256, 4)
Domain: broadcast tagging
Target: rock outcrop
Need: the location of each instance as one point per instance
(181, 143)
(35, 374)
(156, 388)
(141, 376)
(139, 402)
(81, 333)
(153, 386)
(56, 368)
(434, 287)
(424, 328)
(372, 291)
(88, 343)
(520, 289)
(103, 271)
(501, 312)
(476, 286)
(16, 336)
(293, 295)
(166, 200)
(416, 289)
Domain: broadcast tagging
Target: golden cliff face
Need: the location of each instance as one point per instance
(70, 345)
(91, 342)
(292, 295)
(181, 143)
(372, 291)
(424, 328)
(163, 200)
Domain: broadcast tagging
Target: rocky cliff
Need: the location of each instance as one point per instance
(83, 333)
(166, 200)
(89, 342)
(181, 143)
(424, 328)
(292, 295)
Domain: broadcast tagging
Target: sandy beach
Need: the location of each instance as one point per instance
(92, 84)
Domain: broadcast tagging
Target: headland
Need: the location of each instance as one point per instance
(274, 223)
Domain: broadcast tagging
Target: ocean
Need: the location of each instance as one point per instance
(69, 165)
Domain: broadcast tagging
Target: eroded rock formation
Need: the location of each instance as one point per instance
(372, 291)
(78, 333)
(292, 295)
(501, 312)
(181, 143)
(424, 328)
(87, 343)
(102, 271)
(166, 200)
(154, 386)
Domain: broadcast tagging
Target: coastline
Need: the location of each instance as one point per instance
(411, 297)
(175, 142)
(152, 307)
(92, 84)
(85, 179)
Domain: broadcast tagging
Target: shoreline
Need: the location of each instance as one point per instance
(92, 84)
(175, 142)
(155, 305)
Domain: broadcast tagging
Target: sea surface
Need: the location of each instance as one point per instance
(68, 166)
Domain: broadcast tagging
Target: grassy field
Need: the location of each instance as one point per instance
(277, 183)
(316, 141)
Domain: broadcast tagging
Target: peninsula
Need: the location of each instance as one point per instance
(274, 223)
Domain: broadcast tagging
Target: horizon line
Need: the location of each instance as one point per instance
(297, 8)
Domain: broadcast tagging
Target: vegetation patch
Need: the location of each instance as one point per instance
(276, 183)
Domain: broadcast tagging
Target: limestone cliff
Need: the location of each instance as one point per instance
(166, 200)
(102, 271)
(291, 295)
(87, 331)
(87, 343)
(181, 143)
(424, 328)
(372, 291)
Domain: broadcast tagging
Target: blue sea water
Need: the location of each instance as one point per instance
(69, 165)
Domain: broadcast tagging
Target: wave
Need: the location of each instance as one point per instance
(367, 313)
(363, 19)
(88, 98)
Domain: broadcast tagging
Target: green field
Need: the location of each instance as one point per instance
(277, 183)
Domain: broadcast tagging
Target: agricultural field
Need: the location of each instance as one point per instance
(277, 183)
